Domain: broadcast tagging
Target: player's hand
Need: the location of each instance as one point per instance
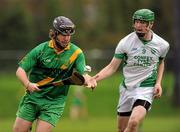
(90, 82)
(157, 91)
(32, 87)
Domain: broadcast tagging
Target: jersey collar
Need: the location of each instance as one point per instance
(51, 45)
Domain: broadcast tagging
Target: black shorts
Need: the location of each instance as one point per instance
(138, 102)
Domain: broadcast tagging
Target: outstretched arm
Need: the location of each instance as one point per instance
(157, 87)
(108, 70)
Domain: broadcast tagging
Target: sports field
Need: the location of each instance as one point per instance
(101, 105)
(151, 124)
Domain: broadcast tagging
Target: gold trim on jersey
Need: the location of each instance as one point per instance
(74, 55)
(71, 59)
(45, 81)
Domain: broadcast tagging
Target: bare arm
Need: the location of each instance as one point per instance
(158, 88)
(160, 72)
(22, 76)
(108, 70)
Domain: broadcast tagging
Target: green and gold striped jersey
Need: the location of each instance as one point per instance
(44, 65)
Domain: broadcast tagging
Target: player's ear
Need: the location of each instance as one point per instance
(52, 34)
(151, 24)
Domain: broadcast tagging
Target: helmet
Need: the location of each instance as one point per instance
(63, 25)
(144, 14)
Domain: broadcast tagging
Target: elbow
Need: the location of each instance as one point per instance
(19, 71)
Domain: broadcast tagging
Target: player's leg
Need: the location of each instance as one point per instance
(43, 126)
(122, 122)
(26, 114)
(123, 109)
(48, 116)
(74, 112)
(21, 125)
(139, 111)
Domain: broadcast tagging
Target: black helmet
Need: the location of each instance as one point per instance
(63, 25)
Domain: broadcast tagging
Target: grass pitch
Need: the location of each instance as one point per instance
(101, 105)
(105, 124)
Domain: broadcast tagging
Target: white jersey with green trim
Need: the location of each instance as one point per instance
(141, 60)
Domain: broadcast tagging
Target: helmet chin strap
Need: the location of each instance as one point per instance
(58, 44)
(140, 35)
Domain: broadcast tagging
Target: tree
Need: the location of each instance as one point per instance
(176, 70)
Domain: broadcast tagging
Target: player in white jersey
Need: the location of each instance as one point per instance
(143, 53)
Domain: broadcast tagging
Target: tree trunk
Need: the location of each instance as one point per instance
(176, 69)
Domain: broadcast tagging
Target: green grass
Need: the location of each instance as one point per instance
(101, 104)
(162, 124)
(9, 95)
(108, 124)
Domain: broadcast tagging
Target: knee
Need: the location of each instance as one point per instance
(121, 128)
(15, 128)
(19, 129)
(133, 123)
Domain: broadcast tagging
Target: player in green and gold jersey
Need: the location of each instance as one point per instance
(50, 61)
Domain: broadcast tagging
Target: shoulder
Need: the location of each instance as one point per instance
(159, 40)
(74, 47)
(127, 40)
(130, 36)
(42, 45)
(40, 48)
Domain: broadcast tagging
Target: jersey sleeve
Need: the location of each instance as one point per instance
(80, 63)
(29, 60)
(120, 51)
(165, 50)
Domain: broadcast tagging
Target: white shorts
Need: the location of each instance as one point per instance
(128, 97)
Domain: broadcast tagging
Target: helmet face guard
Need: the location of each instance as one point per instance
(65, 31)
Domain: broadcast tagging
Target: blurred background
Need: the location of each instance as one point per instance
(100, 24)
